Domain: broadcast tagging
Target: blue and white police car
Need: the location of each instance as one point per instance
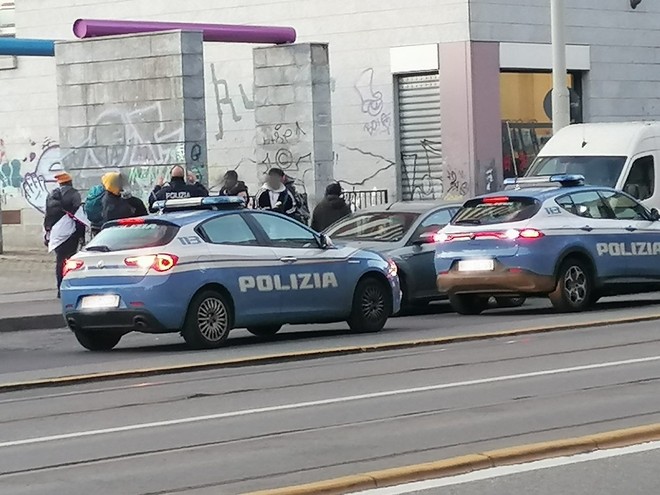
(204, 266)
(548, 236)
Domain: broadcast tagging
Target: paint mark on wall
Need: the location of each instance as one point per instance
(378, 121)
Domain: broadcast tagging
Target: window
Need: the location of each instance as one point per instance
(229, 229)
(284, 232)
(596, 170)
(641, 179)
(434, 222)
(382, 226)
(493, 210)
(624, 208)
(136, 236)
(588, 204)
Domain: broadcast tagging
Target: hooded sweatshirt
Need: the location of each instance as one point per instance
(280, 200)
(331, 209)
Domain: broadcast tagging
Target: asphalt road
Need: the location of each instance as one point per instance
(44, 354)
(235, 430)
(628, 471)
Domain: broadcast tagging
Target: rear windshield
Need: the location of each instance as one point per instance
(121, 237)
(596, 170)
(385, 226)
(489, 211)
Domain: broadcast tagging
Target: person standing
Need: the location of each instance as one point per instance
(230, 182)
(330, 209)
(302, 208)
(115, 205)
(63, 202)
(178, 188)
(241, 190)
(275, 196)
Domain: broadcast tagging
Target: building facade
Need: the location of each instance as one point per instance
(431, 99)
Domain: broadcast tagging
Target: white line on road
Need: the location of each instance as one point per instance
(498, 472)
(324, 402)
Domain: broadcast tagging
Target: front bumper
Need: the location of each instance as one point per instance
(119, 320)
(501, 280)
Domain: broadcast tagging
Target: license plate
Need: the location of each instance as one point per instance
(476, 265)
(99, 302)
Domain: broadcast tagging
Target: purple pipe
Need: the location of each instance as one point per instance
(228, 33)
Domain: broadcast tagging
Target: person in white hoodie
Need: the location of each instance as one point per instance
(275, 196)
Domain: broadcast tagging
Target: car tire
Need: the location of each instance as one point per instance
(510, 302)
(372, 306)
(98, 340)
(265, 331)
(208, 322)
(468, 304)
(575, 288)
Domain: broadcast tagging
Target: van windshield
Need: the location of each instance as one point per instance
(597, 170)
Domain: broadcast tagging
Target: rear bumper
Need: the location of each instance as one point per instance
(501, 280)
(119, 320)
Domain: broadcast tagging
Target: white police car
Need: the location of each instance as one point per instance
(549, 236)
(207, 265)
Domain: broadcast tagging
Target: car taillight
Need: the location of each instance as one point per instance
(531, 234)
(508, 235)
(158, 262)
(131, 221)
(72, 266)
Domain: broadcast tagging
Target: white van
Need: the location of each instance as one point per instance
(621, 155)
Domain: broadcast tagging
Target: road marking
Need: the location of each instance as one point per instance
(324, 402)
(499, 472)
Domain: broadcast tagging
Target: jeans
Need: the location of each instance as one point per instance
(63, 252)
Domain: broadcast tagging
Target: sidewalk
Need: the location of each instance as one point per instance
(28, 299)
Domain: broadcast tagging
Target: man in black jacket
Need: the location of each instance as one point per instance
(178, 188)
(231, 183)
(65, 200)
(275, 196)
(331, 208)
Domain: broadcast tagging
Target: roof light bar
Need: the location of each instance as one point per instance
(207, 203)
(564, 180)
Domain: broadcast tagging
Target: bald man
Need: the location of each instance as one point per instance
(178, 188)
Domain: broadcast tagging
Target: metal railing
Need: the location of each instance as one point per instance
(359, 200)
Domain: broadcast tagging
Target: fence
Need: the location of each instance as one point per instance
(359, 200)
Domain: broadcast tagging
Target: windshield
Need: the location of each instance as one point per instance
(492, 210)
(382, 226)
(138, 236)
(597, 170)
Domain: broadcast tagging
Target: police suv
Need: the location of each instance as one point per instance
(549, 236)
(207, 265)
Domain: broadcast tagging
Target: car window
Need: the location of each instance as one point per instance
(229, 229)
(640, 183)
(133, 236)
(284, 232)
(434, 222)
(496, 209)
(624, 207)
(588, 204)
(386, 226)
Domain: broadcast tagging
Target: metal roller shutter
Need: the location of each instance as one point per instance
(420, 137)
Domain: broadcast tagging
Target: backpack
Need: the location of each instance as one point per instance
(94, 205)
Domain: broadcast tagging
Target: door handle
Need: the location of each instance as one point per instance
(288, 259)
(586, 228)
(630, 228)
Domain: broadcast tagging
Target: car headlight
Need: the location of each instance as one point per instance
(392, 269)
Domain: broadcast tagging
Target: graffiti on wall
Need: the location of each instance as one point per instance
(225, 102)
(377, 120)
(421, 173)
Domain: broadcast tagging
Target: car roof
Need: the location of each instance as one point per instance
(543, 193)
(410, 207)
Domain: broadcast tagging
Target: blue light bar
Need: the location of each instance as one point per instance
(565, 180)
(208, 203)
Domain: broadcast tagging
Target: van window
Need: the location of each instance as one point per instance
(597, 170)
(640, 183)
(493, 210)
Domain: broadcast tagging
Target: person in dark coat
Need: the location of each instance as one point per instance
(331, 208)
(115, 206)
(230, 182)
(241, 190)
(275, 196)
(64, 200)
(178, 188)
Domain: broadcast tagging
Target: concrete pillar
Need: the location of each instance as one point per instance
(471, 116)
(293, 114)
(133, 104)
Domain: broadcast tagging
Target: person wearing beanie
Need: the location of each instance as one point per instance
(178, 188)
(64, 200)
(331, 208)
(115, 206)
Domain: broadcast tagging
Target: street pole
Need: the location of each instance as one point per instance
(561, 101)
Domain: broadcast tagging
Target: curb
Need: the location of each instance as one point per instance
(305, 355)
(476, 462)
(34, 322)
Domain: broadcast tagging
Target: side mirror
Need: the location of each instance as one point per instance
(655, 214)
(325, 242)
